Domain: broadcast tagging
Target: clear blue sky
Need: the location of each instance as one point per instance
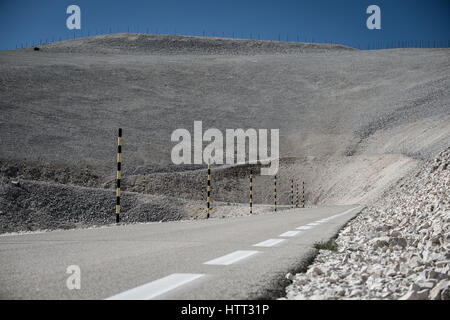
(339, 21)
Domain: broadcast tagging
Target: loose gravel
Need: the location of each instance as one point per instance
(397, 248)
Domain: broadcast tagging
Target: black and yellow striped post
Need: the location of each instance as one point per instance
(275, 192)
(303, 194)
(203, 193)
(119, 168)
(292, 193)
(144, 187)
(298, 197)
(24, 169)
(86, 175)
(208, 192)
(251, 191)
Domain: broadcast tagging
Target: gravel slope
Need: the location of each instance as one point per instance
(397, 248)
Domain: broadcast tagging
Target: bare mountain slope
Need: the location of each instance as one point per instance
(350, 121)
(170, 45)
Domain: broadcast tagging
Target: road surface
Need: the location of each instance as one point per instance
(234, 258)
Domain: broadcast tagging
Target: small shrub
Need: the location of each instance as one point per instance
(328, 245)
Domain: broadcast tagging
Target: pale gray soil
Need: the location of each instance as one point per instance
(351, 122)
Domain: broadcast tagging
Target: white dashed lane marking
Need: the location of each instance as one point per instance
(157, 287)
(304, 228)
(232, 257)
(316, 223)
(290, 234)
(269, 243)
(312, 224)
(341, 214)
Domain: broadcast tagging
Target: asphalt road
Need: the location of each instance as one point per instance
(233, 258)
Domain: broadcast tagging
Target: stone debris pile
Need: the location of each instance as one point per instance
(396, 248)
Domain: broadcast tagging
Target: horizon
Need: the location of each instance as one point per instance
(418, 23)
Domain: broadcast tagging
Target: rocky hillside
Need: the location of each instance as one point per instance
(339, 110)
(351, 122)
(397, 248)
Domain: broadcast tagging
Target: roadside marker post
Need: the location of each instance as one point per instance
(119, 168)
(303, 194)
(292, 193)
(144, 187)
(251, 191)
(297, 198)
(24, 172)
(275, 192)
(208, 192)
